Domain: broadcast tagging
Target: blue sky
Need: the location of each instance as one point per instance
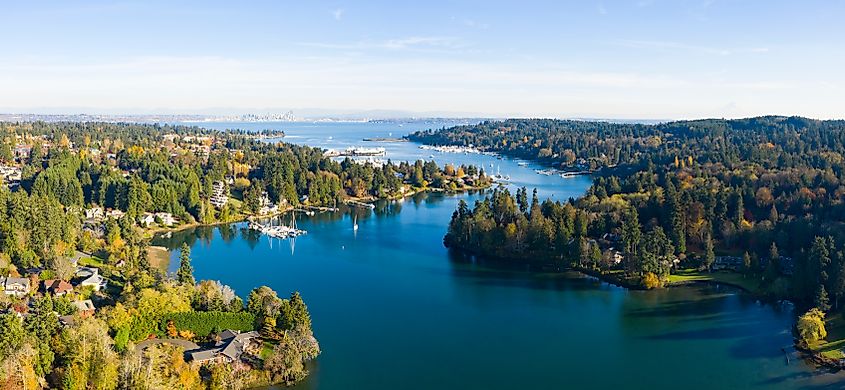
(608, 59)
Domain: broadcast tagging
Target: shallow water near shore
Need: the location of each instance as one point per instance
(392, 308)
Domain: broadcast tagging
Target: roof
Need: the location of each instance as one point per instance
(231, 345)
(84, 305)
(204, 354)
(57, 286)
(235, 347)
(21, 281)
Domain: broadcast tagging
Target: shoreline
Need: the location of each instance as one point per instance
(152, 232)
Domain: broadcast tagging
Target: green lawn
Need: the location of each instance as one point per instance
(833, 346)
(727, 277)
(266, 350)
(91, 261)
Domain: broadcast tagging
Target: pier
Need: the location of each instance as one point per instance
(361, 204)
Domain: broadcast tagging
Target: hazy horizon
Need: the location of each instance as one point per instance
(635, 59)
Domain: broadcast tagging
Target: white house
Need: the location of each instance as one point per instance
(91, 277)
(166, 219)
(15, 286)
(94, 213)
(116, 214)
(219, 194)
(147, 219)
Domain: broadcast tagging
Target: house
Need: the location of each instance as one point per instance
(91, 277)
(266, 205)
(95, 213)
(116, 214)
(85, 308)
(229, 349)
(166, 219)
(15, 286)
(57, 287)
(147, 219)
(219, 194)
(732, 263)
(22, 152)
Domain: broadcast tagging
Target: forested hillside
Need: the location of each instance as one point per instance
(766, 193)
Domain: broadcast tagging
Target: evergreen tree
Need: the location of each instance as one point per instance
(709, 252)
(821, 300)
(676, 223)
(185, 274)
(631, 234)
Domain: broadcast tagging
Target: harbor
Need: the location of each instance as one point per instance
(277, 231)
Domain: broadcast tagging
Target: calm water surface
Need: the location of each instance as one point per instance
(393, 309)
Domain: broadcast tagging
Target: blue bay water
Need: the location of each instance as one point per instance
(392, 308)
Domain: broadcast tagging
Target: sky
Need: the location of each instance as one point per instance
(633, 59)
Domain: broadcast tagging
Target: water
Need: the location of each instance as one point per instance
(341, 135)
(393, 309)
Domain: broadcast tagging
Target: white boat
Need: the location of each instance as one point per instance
(280, 231)
(522, 164)
(355, 223)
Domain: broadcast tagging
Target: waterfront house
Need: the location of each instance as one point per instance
(165, 219)
(229, 348)
(57, 287)
(147, 219)
(15, 286)
(219, 194)
(732, 263)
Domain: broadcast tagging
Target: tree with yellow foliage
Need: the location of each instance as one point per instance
(811, 327)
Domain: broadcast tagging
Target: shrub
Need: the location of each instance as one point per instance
(650, 281)
(204, 323)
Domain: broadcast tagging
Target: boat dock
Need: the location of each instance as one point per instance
(361, 204)
(277, 231)
(322, 209)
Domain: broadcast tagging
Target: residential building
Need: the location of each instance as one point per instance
(219, 194)
(229, 349)
(116, 214)
(733, 263)
(85, 308)
(166, 219)
(147, 220)
(22, 152)
(15, 286)
(57, 287)
(266, 205)
(91, 277)
(95, 213)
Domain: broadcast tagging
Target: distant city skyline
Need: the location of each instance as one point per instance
(638, 59)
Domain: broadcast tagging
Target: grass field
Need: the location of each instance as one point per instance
(726, 277)
(832, 347)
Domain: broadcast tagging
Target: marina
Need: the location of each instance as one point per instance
(278, 231)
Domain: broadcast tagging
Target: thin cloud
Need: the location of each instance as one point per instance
(408, 43)
(677, 46)
(337, 14)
